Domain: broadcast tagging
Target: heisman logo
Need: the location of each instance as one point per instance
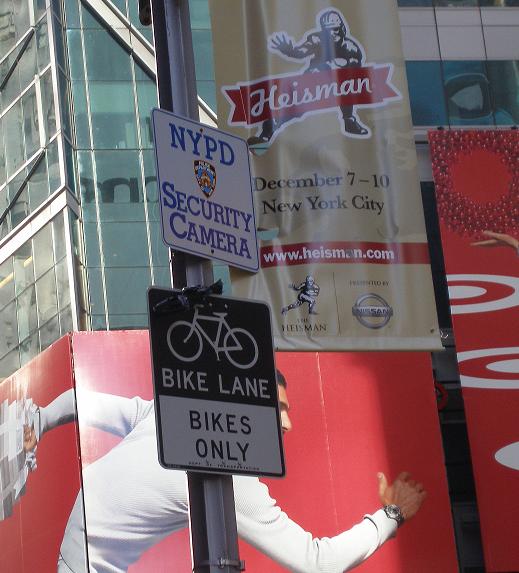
(205, 176)
(335, 75)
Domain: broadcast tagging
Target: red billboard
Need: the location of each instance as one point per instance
(352, 416)
(477, 183)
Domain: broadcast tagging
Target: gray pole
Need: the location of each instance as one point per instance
(214, 536)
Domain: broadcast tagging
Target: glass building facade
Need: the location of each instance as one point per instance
(80, 239)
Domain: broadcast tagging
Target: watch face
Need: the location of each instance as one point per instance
(393, 512)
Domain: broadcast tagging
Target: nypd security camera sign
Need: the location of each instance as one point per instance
(205, 191)
(216, 401)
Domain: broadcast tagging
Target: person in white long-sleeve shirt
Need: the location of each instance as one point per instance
(132, 502)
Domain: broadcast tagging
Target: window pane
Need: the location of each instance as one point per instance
(65, 319)
(23, 268)
(119, 186)
(126, 290)
(95, 290)
(21, 17)
(38, 185)
(81, 115)
(58, 228)
(9, 338)
(27, 316)
(42, 44)
(13, 133)
(49, 332)
(75, 51)
(49, 113)
(467, 92)
(47, 297)
(203, 48)
(43, 259)
(125, 244)
(7, 37)
(6, 284)
(105, 58)
(29, 348)
(504, 79)
(147, 99)
(53, 170)
(30, 123)
(113, 115)
(426, 93)
(9, 363)
(63, 284)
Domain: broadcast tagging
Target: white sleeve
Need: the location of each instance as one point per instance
(107, 412)
(265, 526)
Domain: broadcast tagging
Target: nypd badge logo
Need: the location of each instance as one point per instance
(206, 177)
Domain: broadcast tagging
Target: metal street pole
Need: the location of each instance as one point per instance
(214, 536)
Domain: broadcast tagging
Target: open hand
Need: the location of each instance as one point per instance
(404, 492)
(29, 438)
(283, 44)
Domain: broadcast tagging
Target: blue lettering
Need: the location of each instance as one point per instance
(177, 134)
(195, 138)
(210, 146)
(168, 189)
(229, 160)
(174, 216)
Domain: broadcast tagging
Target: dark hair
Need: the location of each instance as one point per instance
(281, 380)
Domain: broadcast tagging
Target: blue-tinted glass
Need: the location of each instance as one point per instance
(42, 251)
(13, 133)
(126, 290)
(47, 296)
(504, 79)
(119, 186)
(52, 157)
(207, 91)
(49, 110)
(81, 115)
(87, 185)
(88, 19)
(125, 244)
(162, 276)
(203, 48)
(112, 106)
(72, 14)
(65, 321)
(128, 321)
(120, 5)
(160, 252)
(59, 43)
(91, 237)
(147, 99)
(3, 174)
(58, 234)
(455, 3)
(21, 18)
(27, 312)
(75, 52)
(42, 44)
(426, 93)
(95, 290)
(27, 64)
(415, 2)
(105, 58)
(63, 284)
(467, 93)
(199, 10)
(7, 37)
(30, 123)
(23, 268)
(38, 186)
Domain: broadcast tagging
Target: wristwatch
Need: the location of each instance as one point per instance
(394, 512)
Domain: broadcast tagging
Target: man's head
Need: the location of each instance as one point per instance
(331, 22)
(284, 406)
(310, 280)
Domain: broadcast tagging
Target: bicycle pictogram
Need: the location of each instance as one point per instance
(186, 340)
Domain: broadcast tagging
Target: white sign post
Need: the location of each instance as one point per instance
(205, 191)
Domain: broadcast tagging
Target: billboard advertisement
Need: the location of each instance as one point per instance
(321, 96)
(476, 174)
(349, 420)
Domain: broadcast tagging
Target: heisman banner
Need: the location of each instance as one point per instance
(476, 174)
(321, 96)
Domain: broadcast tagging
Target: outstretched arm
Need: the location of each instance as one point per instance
(107, 412)
(264, 525)
(282, 43)
(497, 240)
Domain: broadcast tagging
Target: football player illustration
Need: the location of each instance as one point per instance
(308, 292)
(328, 47)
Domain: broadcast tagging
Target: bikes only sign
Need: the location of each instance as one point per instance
(205, 191)
(215, 385)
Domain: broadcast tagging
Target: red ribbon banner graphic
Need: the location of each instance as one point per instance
(291, 96)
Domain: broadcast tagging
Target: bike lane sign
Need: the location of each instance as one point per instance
(205, 191)
(216, 404)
